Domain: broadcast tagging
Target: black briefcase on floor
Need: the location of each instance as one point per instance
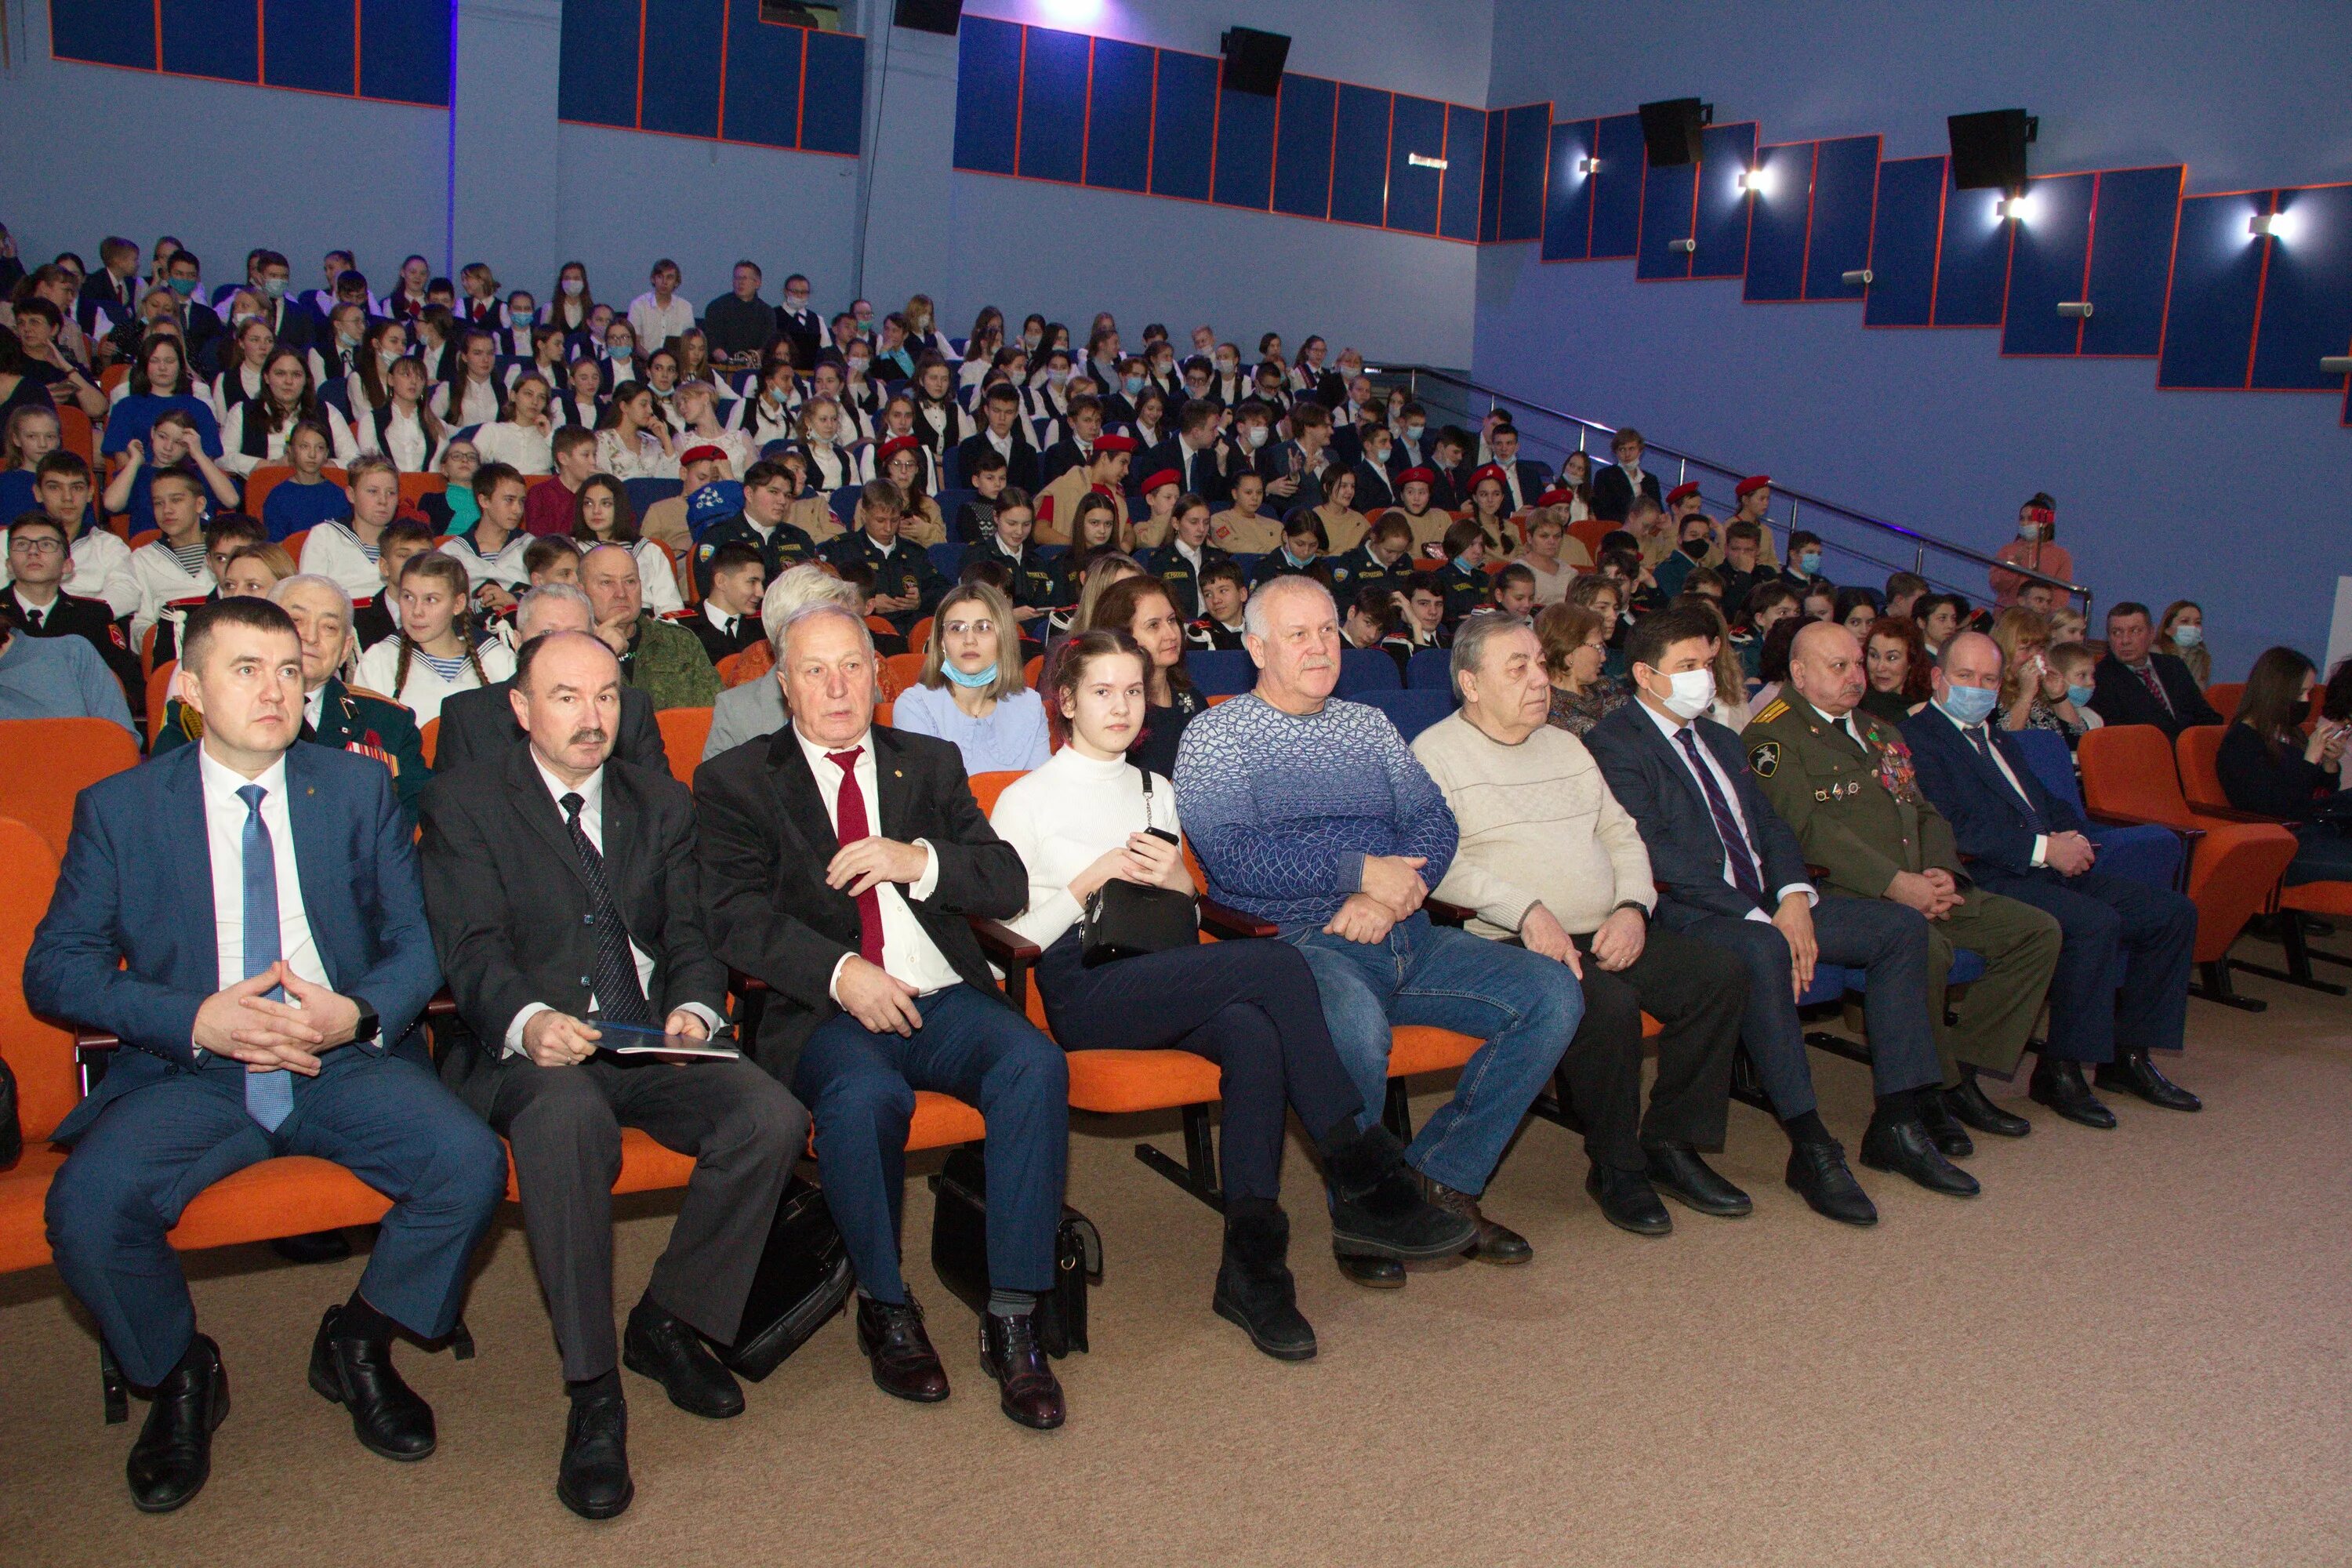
(804, 1279)
(960, 1253)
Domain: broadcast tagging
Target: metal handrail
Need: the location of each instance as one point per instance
(1921, 543)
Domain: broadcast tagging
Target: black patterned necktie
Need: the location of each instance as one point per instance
(1744, 872)
(619, 996)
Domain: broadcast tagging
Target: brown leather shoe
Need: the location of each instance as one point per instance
(904, 1364)
(1494, 1243)
(1009, 1350)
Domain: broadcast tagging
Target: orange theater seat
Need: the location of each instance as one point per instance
(2223, 697)
(260, 483)
(2198, 750)
(684, 732)
(75, 434)
(431, 736)
(1029, 671)
(901, 671)
(1118, 1083)
(1418, 1049)
(46, 762)
(919, 639)
(753, 662)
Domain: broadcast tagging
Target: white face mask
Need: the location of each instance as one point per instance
(575, 287)
(1257, 434)
(2029, 530)
(1693, 694)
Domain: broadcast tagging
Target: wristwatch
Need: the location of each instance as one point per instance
(1635, 905)
(365, 1031)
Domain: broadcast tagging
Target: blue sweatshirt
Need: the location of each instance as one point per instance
(1282, 808)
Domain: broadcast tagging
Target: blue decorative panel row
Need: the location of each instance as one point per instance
(1777, 221)
(1568, 193)
(2216, 282)
(1719, 222)
(1053, 99)
(764, 62)
(2307, 304)
(1302, 146)
(1837, 234)
(684, 65)
(1971, 259)
(1417, 129)
(1118, 113)
(1617, 187)
(1906, 235)
(397, 50)
(1183, 125)
(213, 38)
(1473, 143)
(1244, 163)
(2131, 258)
(1519, 201)
(708, 68)
(1669, 198)
(1360, 156)
(988, 94)
(308, 44)
(2049, 263)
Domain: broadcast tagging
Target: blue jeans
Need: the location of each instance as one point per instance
(1525, 1007)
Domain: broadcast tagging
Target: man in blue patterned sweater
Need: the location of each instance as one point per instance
(1313, 815)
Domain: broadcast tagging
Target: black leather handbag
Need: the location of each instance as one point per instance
(960, 1253)
(1123, 919)
(803, 1280)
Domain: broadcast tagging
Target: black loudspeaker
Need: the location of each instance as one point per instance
(1670, 130)
(1989, 149)
(931, 15)
(1254, 60)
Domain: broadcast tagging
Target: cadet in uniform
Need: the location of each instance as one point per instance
(1382, 561)
(902, 571)
(762, 524)
(1187, 553)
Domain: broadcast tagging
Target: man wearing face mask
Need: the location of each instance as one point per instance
(2035, 548)
(1696, 542)
(2122, 984)
(1731, 873)
(1804, 567)
(1846, 783)
(797, 321)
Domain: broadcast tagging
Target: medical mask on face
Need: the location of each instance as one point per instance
(1376, 455)
(1031, 339)
(184, 287)
(2029, 530)
(1695, 548)
(2188, 635)
(1413, 432)
(347, 340)
(574, 287)
(274, 286)
(1134, 384)
(1257, 434)
(1971, 705)
(1057, 376)
(1693, 693)
(620, 351)
(971, 682)
(797, 301)
(1227, 367)
(1810, 563)
(2080, 696)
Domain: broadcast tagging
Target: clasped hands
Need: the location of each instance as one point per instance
(1391, 889)
(242, 1023)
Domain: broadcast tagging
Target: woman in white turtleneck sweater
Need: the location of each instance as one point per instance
(1090, 818)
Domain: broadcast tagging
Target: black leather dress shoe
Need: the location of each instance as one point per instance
(1906, 1149)
(1969, 1103)
(1676, 1171)
(1372, 1273)
(318, 1246)
(1027, 1390)
(387, 1415)
(1818, 1173)
(904, 1364)
(1490, 1241)
(659, 1346)
(2061, 1086)
(1627, 1201)
(173, 1456)
(1378, 1206)
(1943, 1129)
(2135, 1074)
(593, 1479)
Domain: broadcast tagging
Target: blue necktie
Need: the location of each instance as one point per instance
(1744, 873)
(1983, 744)
(268, 1095)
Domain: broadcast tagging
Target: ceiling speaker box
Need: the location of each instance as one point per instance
(1254, 60)
(931, 15)
(1989, 149)
(1670, 130)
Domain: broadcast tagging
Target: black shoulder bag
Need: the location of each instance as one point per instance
(1123, 919)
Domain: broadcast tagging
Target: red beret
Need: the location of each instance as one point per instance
(2041, 515)
(1558, 495)
(1689, 489)
(1751, 483)
(1490, 471)
(1114, 444)
(893, 445)
(1164, 477)
(704, 453)
(1417, 477)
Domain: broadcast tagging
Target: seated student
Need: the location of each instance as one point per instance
(1428, 522)
(901, 461)
(1803, 570)
(1550, 556)
(492, 551)
(582, 403)
(1001, 435)
(1523, 479)
(2268, 764)
(972, 690)
(2070, 713)
(1383, 560)
(161, 382)
(27, 434)
(1241, 529)
(172, 570)
(1097, 814)
(99, 565)
(1694, 543)
(1103, 476)
(1904, 590)
(2122, 984)
(1160, 489)
(2136, 685)
(1224, 593)
(1743, 570)
(175, 449)
(1514, 592)
(1375, 620)
(403, 427)
(550, 504)
(306, 497)
(1033, 585)
(403, 538)
(218, 1074)
(1180, 563)
(55, 677)
(1342, 867)
(1299, 467)
(762, 524)
(1094, 533)
(258, 429)
(879, 989)
(1303, 546)
(1139, 606)
(975, 520)
(834, 463)
(1549, 854)
(727, 621)
(346, 549)
(472, 395)
(520, 436)
(1375, 480)
(603, 515)
(1200, 456)
(436, 652)
(1075, 450)
(36, 603)
(516, 920)
(771, 410)
(1463, 579)
(906, 583)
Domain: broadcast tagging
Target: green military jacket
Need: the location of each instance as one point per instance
(1857, 809)
(668, 664)
(348, 722)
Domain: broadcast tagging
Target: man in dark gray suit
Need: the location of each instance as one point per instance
(481, 723)
(563, 894)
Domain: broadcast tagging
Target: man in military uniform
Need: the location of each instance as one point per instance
(332, 714)
(1843, 781)
(769, 491)
(906, 583)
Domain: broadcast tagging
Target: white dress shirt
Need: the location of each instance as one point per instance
(1670, 730)
(1968, 736)
(909, 953)
(224, 818)
(591, 791)
(655, 323)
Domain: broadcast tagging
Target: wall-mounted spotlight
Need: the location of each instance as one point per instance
(2015, 208)
(2336, 365)
(1588, 165)
(1755, 182)
(1424, 161)
(2078, 309)
(1685, 246)
(1862, 279)
(2277, 226)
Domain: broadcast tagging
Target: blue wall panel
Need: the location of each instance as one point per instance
(1052, 106)
(108, 32)
(596, 79)
(1909, 217)
(2047, 259)
(2131, 256)
(1568, 198)
(763, 79)
(1360, 165)
(214, 38)
(1617, 187)
(2307, 294)
(1775, 228)
(2217, 279)
(404, 49)
(988, 94)
(681, 72)
(1845, 180)
(1420, 127)
(1727, 152)
(1302, 146)
(1244, 171)
(1972, 267)
(1183, 125)
(1118, 116)
(1469, 134)
(1526, 142)
(1666, 196)
(833, 104)
(309, 42)
(1490, 184)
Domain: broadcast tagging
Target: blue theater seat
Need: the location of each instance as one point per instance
(1221, 672)
(1429, 669)
(2144, 852)
(1367, 669)
(1410, 711)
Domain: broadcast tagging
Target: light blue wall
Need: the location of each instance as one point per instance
(2242, 500)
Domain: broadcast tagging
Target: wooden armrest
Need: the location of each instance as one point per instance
(743, 985)
(1445, 914)
(1219, 921)
(1003, 943)
(443, 1005)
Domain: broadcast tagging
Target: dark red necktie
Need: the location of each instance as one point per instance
(849, 826)
(2156, 686)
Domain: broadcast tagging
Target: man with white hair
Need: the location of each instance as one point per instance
(659, 658)
(841, 864)
(756, 708)
(480, 724)
(1312, 814)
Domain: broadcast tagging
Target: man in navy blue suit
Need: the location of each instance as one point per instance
(2122, 983)
(244, 914)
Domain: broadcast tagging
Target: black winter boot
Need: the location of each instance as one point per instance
(1377, 1207)
(1254, 1288)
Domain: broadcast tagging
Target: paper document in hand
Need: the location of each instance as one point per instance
(639, 1041)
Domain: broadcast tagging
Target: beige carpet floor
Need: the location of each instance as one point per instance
(2131, 1350)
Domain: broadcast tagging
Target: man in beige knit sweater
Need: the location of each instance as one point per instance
(1550, 858)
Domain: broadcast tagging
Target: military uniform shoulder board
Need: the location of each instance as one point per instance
(1764, 758)
(1773, 711)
